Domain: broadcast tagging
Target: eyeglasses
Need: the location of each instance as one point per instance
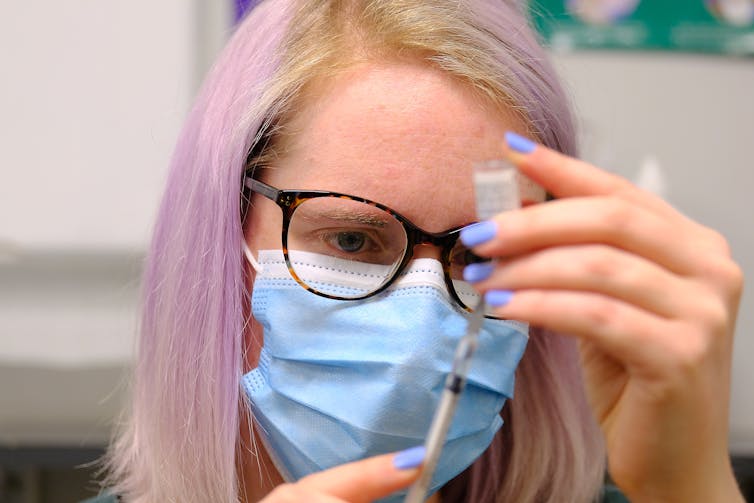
(362, 238)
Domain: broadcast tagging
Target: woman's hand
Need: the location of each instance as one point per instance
(652, 297)
(359, 482)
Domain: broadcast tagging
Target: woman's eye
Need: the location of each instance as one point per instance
(350, 241)
(362, 245)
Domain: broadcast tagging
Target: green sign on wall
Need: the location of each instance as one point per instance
(684, 25)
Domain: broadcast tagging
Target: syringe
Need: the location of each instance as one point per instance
(496, 189)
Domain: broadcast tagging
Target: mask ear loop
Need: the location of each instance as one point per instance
(250, 257)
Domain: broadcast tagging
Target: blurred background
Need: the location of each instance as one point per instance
(92, 97)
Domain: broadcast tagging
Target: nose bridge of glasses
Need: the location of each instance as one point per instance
(428, 245)
(427, 250)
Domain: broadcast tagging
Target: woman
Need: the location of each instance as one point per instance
(392, 102)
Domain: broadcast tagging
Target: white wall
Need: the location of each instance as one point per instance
(695, 116)
(92, 97)
(91, 100)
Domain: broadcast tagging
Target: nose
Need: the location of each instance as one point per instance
(426, 250)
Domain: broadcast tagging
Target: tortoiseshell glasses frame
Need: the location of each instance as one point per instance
(451, 255)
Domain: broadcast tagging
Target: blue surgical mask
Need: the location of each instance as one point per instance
(338, 381)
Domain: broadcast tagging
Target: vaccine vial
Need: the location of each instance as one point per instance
(496, 188)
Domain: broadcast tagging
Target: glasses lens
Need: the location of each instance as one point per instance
(344, 248)
(460, 257)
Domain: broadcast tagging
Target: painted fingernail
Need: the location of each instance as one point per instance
(410, 458)
(519, 143)
(498, 298)
(478, 233)
(478, 272)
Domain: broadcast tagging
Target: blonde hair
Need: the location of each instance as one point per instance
(182, 440)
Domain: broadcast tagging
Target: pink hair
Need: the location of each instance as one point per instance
(182, 439)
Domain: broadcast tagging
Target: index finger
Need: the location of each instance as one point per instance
(369, 479)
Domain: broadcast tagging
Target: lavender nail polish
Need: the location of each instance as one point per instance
(478, 272)
(519, 143)
(478, 233)
(498, 298)
(410, 458)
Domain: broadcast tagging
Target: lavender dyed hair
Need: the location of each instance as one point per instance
(182, 439)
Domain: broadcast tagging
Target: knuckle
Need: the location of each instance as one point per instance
(700, 339)
(618, 214)
(625, 189)
(524, 220)
(603, 315)
(692, 347)
(727, 274)
(737, 279)
(714, 315)
(718, 242)
(733, 276)
(599, 262)
(692, 352)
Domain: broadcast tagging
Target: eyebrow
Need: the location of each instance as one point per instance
(350, 216)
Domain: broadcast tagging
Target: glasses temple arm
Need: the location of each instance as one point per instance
(262, 188)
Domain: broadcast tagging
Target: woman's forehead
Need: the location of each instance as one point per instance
(403, 134)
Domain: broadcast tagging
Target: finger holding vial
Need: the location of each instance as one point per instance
(652, 297)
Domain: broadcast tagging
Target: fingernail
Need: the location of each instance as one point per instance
(478, 233)
(519, 143)
(410, 458)
(478, 272)
(498, 298)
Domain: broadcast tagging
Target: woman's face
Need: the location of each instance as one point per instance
(401, 134)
